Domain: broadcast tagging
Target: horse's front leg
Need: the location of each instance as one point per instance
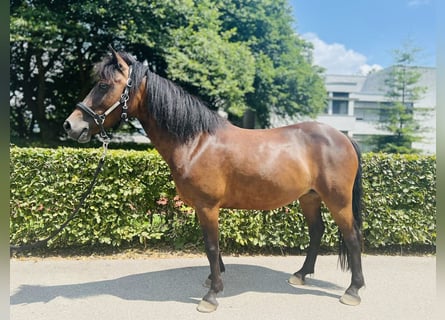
(208, 219)
(222, 269)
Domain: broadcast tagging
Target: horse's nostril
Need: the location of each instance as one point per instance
(66, 125)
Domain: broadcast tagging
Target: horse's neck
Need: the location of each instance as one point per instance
(178, 155)
(164, 142)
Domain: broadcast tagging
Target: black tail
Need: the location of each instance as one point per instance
(357, 193)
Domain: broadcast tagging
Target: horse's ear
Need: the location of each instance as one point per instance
(113, 53)
(117, 59)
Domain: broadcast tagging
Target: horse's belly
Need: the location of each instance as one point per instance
(263, 195)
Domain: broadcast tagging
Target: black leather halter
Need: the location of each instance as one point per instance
(100, 118)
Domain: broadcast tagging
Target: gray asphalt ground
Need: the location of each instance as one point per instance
(255, 288)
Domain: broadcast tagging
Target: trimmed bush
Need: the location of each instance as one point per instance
(46, 185)
(400, 199)
(135, 201)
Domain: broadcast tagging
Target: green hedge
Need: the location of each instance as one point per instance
(135, 201)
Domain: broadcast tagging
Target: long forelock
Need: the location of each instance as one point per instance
(107, 68)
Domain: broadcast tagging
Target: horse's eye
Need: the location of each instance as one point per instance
(103, 86)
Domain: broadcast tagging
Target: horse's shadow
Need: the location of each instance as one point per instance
(181, 285)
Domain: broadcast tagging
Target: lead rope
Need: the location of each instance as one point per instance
(73, 214)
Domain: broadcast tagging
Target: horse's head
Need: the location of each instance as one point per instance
(100, 108)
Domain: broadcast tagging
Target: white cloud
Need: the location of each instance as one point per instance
(337, 59)
(366, 68)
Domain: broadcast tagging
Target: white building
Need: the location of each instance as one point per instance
(355, 107)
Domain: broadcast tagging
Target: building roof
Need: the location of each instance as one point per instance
(372, 86)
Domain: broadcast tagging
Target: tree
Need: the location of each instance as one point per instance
(402, 91)
(202, 57)
(54, 45)
(285, 81)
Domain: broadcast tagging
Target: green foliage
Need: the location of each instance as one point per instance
(400, 199)
(46, 185)
(135, 201)
(285, 81)
(221, 69)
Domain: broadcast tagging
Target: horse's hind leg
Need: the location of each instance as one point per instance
(311, 206)
(352, 240)
(351, 250)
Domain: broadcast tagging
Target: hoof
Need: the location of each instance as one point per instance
(350, 300)
(296, 281)
(206, 307)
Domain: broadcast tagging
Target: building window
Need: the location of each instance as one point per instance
(340, 101)
(343, 95)
(367, 111)
(339, 107)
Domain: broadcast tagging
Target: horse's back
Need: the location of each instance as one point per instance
(304, 138)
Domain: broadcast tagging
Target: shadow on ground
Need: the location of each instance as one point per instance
(181, 285)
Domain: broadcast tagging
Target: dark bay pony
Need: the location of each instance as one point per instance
(217, 165)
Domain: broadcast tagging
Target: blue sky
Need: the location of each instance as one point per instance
(353, 36)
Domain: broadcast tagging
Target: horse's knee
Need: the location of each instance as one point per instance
(212, 251)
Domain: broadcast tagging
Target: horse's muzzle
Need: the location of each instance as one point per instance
(76, 131)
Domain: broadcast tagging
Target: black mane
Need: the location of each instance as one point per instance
(175, 110)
